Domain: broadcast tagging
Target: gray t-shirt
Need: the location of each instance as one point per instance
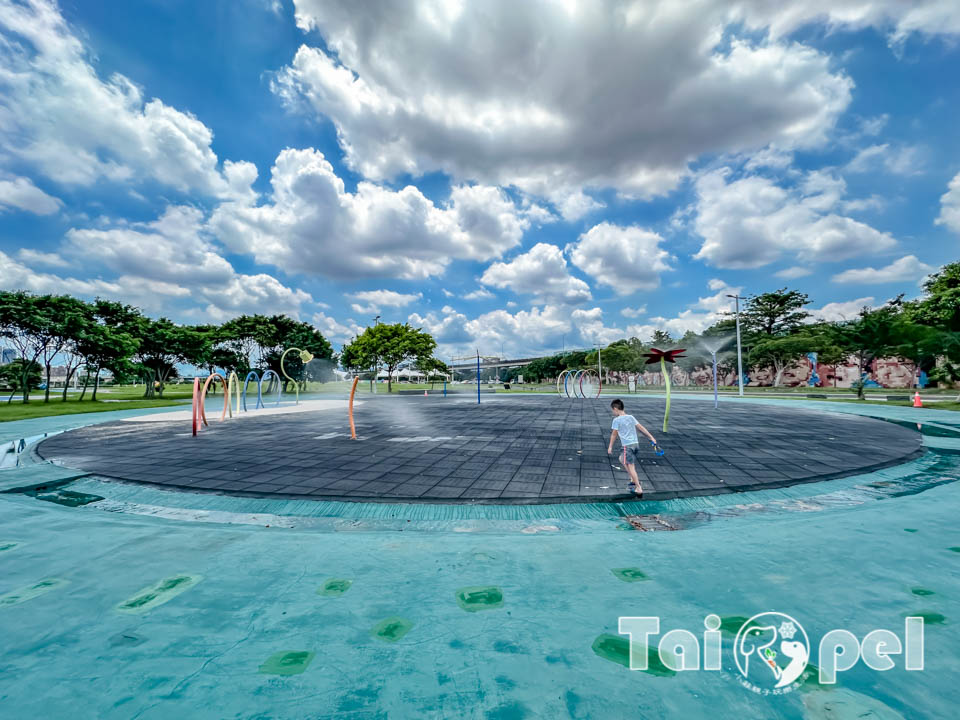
(626, 427)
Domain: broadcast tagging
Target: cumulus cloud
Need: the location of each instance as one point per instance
(950, 206)
(75, 128)
(173, 256)
(626, 259)
(751, 222)
(634, 313)
(333, 330)
(385, 298)
(479, 294)
(311, 224)
(837, 311)
(792, 273)
(22, 194)
(907, 160)
(589, 324)
(906, 269)
(507, 94)
(541, 272)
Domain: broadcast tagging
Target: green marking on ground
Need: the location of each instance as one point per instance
(731, 624)
(287, 662)
(335, 587)
(8, 545)
(910, 529)
(15, 597)
(68, 498)
(391, 629)
(158, 593)
(616, 649)
(630, 574)
(930, 618)
(475, 599)
(922, 592)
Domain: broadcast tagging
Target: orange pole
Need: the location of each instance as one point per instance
(353, 390)
(196, 397)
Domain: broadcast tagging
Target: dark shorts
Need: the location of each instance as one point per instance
(630, 455)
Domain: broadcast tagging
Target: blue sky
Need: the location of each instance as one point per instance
(555, 174)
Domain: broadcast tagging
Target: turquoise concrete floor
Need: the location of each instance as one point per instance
(145, 605)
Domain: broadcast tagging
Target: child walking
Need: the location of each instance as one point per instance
(626, 426)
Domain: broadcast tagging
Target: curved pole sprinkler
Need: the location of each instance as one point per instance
(664, 356)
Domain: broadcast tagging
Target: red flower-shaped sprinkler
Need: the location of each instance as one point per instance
(664, 356)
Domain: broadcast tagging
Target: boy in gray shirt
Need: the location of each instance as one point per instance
(626, 426)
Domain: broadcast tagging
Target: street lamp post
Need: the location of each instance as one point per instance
(739, 351)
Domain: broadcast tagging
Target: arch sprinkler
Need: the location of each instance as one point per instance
(246, 382)
(233, 386)
(305, 357)
(267, 374)
(664, 356)
(200, 396)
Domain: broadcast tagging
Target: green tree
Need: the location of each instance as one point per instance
(25, 324)
(389, 344)
(940, 307)
(18, 374)
(779, 353)
(661, 340)
(875, 333)
(775, 313)
(163, 346)
(104, 347)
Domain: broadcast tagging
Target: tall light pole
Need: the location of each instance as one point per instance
(739, 351)
(376, 363)
(599, 364)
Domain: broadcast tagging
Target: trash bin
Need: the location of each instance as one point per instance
(506, 386)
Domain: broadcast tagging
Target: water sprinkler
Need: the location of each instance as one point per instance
(664, 356)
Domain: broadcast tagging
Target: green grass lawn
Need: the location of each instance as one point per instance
(37, 408)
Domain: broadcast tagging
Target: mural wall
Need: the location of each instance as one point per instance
(884, 372)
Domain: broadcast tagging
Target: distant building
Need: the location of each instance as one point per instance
(7, 355)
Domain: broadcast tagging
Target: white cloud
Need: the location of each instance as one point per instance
(22, 194)
(906, 160)
(479, 294)
(60, 118)
(950, 206)
(626, 259)
(333, 330)
(173, 256)
(900, 19)
(412, 88)
(752, 222)
(589, 324)
(906, 269)
(634, 313)
(792, 273)
(313, 225)
(541, 272)
(836, 311)
(386, 298)
(35, 257)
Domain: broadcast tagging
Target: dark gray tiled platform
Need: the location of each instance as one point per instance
(506, 450)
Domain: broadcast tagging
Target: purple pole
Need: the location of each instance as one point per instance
(478, 376)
